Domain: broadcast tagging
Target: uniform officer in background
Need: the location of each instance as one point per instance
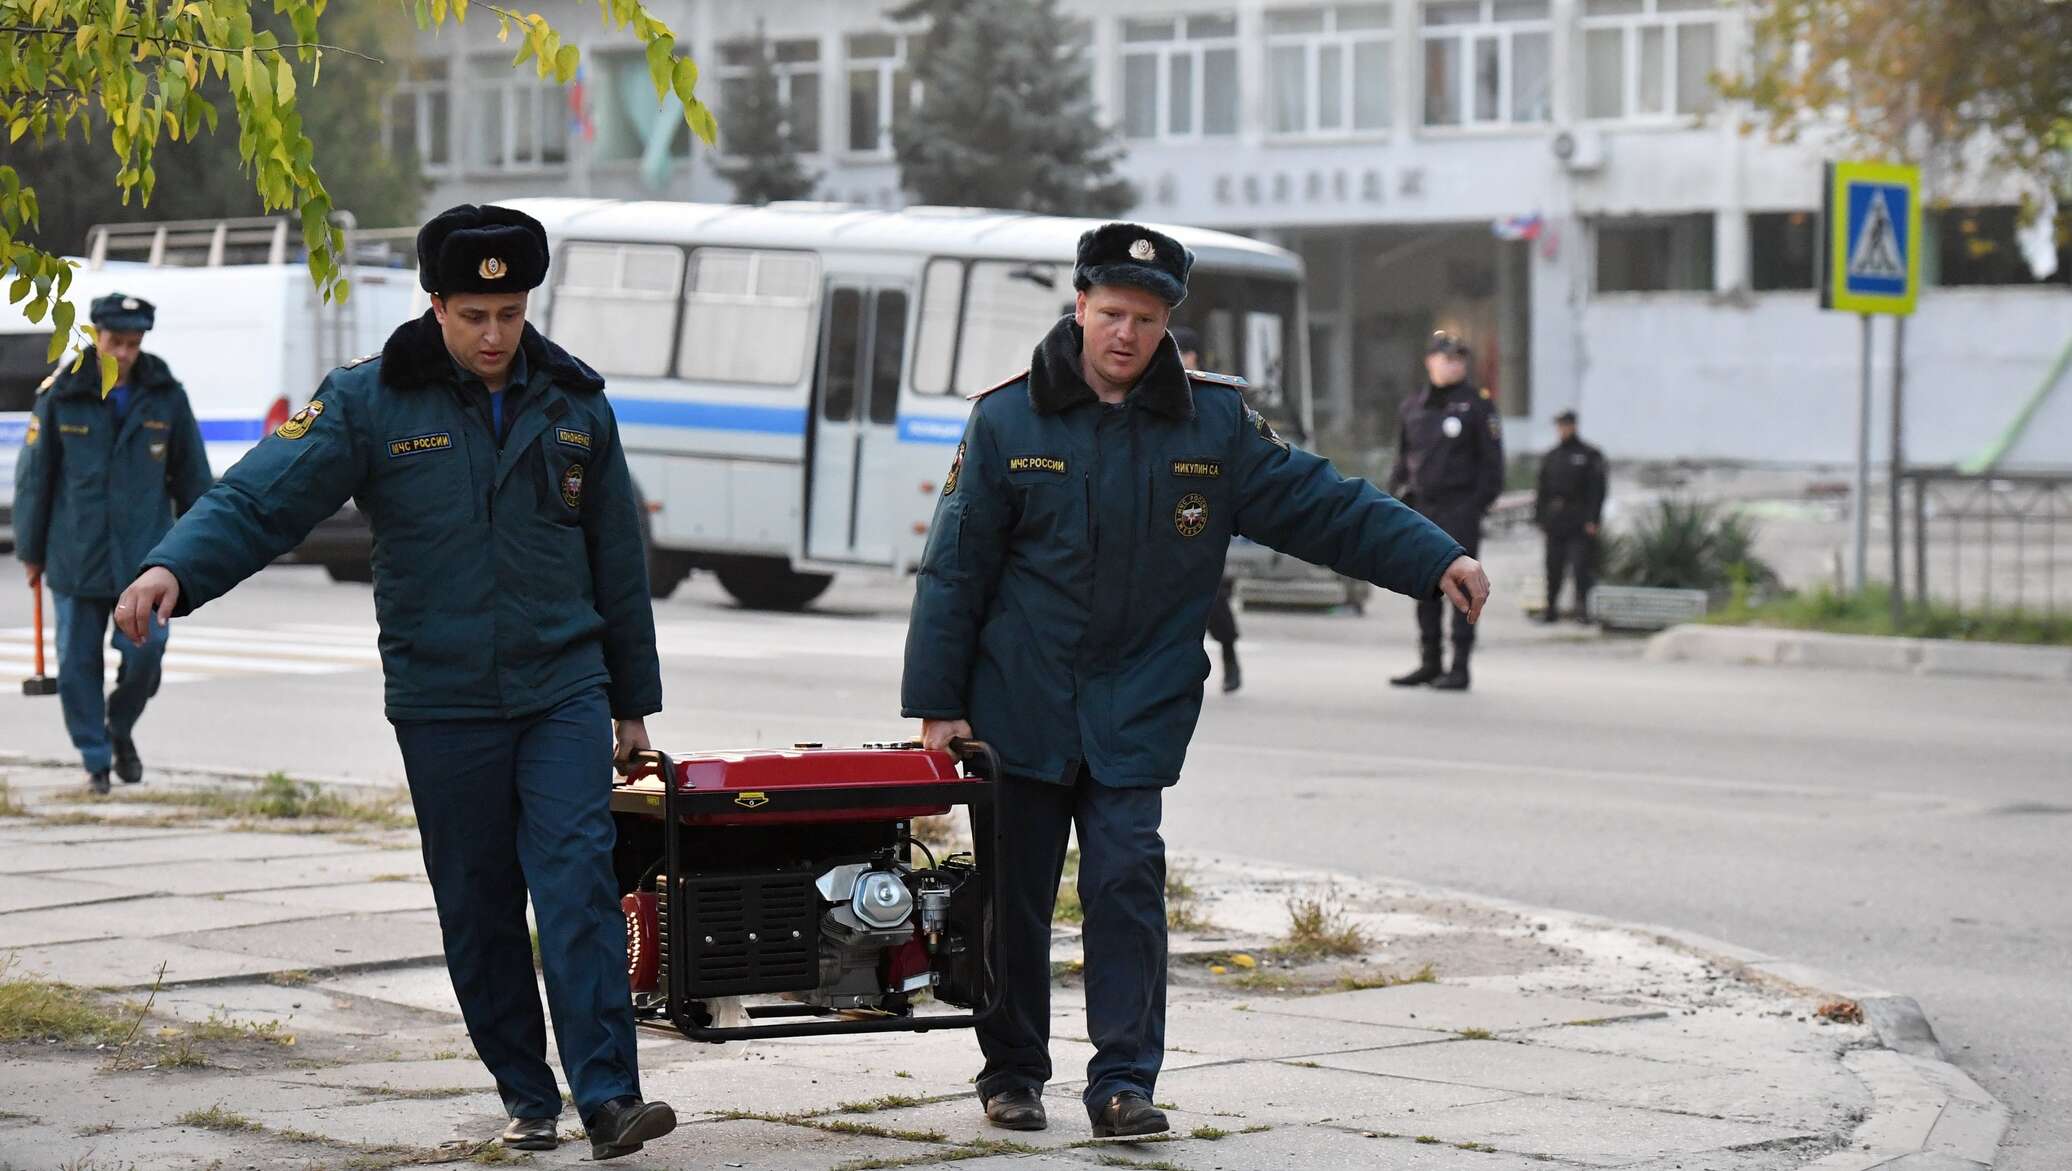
(512, 596)
(1568, 507)
(1222, 621)
(1450, 467)
(98, 482)
(1074, 556)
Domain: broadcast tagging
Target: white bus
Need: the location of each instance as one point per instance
(790, 381)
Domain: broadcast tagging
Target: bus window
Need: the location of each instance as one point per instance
(1008, 306)
(888, 348)
(844, 334)
(23, 367)
(1247, 326)
(616, 304)
(935, 339)
(749, 316)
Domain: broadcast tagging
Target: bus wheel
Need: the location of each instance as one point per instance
(769, 584)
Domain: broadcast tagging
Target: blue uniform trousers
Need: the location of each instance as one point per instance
(1122, 888)
(90, 718)
(504, 806)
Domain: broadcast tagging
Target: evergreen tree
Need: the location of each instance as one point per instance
(1007, 114)
(762, 154)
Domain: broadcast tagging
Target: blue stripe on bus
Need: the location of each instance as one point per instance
(12, 433)
(921, 429)
(653, 412)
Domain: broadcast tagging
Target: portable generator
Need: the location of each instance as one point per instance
(789, 880)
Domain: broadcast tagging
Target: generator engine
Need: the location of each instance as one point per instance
(791, 881)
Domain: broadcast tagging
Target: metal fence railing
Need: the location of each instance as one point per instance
(1997, 541)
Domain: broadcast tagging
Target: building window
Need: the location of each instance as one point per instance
(1783, 250)
(1649, 59)
(749, 316)
(1328, 68)
(418, 116)
(1179, 77)
(617, 302)
(1982, 246)
(881, 91)
(516, 121)
(797, 65)
(626, 114)
(1659, 254)
(1487, 62)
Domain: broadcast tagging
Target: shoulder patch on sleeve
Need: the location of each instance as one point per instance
(1230, 380)
(996, 386)
(1265, 429)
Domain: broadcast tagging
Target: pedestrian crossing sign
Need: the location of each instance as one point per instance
(1872, 262)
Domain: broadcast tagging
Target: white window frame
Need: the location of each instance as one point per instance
(806, 306)
(1312, 45)
(568, 295)
(1164, 52)
(515, 88)
(887, 70)
(1466, 35)
(1630, 26)
(419, 92)
(785, 71)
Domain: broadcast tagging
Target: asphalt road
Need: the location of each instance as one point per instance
(1911, 833)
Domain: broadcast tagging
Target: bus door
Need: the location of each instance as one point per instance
(850, 462)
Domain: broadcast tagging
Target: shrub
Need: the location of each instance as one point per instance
(1690, 545)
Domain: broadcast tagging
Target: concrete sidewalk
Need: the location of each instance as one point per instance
(1770, 646)
(299, 1016)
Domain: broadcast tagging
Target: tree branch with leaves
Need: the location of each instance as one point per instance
(148, 72)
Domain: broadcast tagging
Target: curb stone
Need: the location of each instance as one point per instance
(1767, 646)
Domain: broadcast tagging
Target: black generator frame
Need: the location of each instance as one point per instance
(977, 792)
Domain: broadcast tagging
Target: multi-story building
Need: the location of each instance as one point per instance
(1659, 270)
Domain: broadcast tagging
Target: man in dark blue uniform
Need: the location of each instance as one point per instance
(1567, 507)
(1222, 621)
(511, 591)
(1450, 467)
(99, 481)
(1069, 572)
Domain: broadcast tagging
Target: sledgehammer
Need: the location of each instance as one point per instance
(39, 683)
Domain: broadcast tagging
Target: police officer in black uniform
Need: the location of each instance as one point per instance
(1450, 467)
(1059, 612)
(1568, 507)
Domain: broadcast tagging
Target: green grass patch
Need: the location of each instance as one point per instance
(1474, 1034)
(292, 978)
(885, 1102)
(1319, 927)
(1870, 612)
(1183, 902)
(279, 802)
(33, 1009)
(1208, 1133)
(220, 1028)
(217, 1118)
(1424, 975)
(10, 805)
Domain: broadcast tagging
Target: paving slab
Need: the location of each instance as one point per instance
(476, 1117)
(297, 1008)
(150, 848)
(376, 897)
(1452, 1007)
(27, 892)
(141, 918)
(129, 963)
(462, 1072)
(142, 1099)
(212, 875)
(961, 1120)
(423, 986)
(1719, 1038)
(1283, 1092)
(1323, 1148)
(1583, 1132)
(1514, 1066)
(411, 936)
(1259, 1029)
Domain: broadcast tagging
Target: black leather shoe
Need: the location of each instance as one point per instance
(1233, 678)
(1426, 671)
(532, 1134)
(1130, 1115)
(97, 783)
(1017, 1110)
(128, 765)
(622, 1125)
(1457, 678)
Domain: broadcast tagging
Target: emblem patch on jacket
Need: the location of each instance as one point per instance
(158, 452)
(1450, 426)
(949, 482)
(572, 486)
(436, 441)
(35, 429)
(1191, 515)
(299, 423)
(1205, 469)
(579, 439)
(1036, 463)
(1265, 429)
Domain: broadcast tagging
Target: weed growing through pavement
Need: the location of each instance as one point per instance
(1320, 928)
(1424, 975)
(221, 1028)
(9, 805)
(279, 802)
(217, 1118)
(886, 1102)
(292, 978)
(35, 1009)
(1183, 902)
(1473, 1034)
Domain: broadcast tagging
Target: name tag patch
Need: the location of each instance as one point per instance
(417, 444)
(73, 429)
(577, 439)
(1201, 469)
(1036, 463)
(157, 425)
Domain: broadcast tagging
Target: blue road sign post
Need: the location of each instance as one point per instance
(1871, 265)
